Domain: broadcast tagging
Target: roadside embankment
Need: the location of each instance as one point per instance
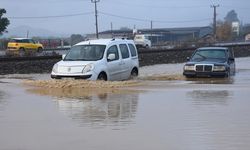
(44, 64)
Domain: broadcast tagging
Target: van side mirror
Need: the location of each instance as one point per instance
(63, 56)
(111, 57)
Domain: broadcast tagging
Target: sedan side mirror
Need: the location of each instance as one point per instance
(63, 56)
(231, 59)
(111, 57)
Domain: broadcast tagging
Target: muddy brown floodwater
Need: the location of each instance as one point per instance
(160, 110)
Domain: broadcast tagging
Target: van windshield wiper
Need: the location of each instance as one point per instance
(80, 59)
(75, 59)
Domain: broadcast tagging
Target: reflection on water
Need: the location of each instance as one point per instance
(212, 80)
(2, 101)
(209, 97)
(96, 108)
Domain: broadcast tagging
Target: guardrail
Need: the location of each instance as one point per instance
(56, 49)
(44, 64)
(30, 58)
(141, 51)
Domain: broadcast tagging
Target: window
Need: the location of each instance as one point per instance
(32, 41)
(124, 51)
(209, 53)
(113, 50)
(25, 41)
(85, 53)
(132, 50)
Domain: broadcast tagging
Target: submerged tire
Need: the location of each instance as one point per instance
(102, 76)
(134, 73)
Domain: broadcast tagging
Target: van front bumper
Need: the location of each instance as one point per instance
(71, 76)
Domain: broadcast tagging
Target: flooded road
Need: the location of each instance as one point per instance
(154, 112)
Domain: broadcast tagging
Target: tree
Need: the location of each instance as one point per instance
(76, 38)
(231, 17)
(125, 28)
(224, 31)
(4, 22)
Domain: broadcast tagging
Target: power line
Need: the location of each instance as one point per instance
(234, 7)
(123, 17)
(156, 7)
(47, 17)
(184, 21)
(157, 21)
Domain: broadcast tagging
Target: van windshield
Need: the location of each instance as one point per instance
(85, 53)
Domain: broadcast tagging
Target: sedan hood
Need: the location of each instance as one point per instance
(207, 61)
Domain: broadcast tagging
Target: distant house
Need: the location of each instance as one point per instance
(161, 34)
(247, 37)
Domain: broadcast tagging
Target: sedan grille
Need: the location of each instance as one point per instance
(204, 68)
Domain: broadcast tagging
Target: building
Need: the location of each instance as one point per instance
(247, 37)
(161, 35)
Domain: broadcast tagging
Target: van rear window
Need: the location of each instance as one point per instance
(132, 50)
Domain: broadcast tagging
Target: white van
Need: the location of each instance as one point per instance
(102, 59)
(142, 40)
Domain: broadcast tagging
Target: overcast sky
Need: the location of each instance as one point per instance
(79, 14)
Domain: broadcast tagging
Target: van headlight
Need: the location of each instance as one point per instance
(189, 67)
(219, 68)
(55, 68)
(88, 68)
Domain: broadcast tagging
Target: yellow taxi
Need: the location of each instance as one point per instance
(23, 46)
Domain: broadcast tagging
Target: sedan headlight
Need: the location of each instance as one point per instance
(219, 68)
(88, 68)
(55, 68)
(189, 67)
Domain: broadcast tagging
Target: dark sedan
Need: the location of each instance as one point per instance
(210, 61)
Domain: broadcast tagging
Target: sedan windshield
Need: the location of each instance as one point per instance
(85, 53)
(209, 54)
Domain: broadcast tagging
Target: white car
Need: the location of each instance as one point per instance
(102, 59)
(142, 40)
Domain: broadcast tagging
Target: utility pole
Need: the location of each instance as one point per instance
(96, 20)
(28, 32)
(111, 26)
(214, 22)
(151, 27)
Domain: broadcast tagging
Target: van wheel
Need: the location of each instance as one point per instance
(134, 73)
(21, 51)
(102, 76)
